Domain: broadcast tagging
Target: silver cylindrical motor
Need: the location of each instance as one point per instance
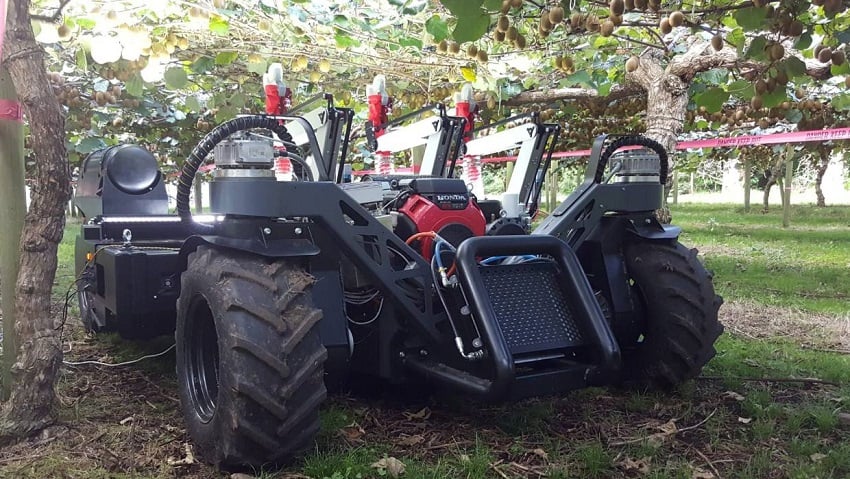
(244, 158)
(636, 166)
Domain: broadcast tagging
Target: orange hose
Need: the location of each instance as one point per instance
(416, 236)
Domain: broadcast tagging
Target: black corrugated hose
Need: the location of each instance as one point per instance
(200, 152)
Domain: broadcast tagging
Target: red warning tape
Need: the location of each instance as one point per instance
(11, 110)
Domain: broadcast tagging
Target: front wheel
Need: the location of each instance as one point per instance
(681, 321)
(250, 362)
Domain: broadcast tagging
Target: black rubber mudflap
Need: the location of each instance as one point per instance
(530, 307)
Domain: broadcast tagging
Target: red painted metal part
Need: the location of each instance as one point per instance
(427, 216)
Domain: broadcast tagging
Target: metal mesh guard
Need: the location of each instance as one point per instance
(530, 307)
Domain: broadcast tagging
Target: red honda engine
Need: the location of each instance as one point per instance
(443, 206)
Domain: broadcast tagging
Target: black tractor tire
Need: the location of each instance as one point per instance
(250, 362)
(681, 315)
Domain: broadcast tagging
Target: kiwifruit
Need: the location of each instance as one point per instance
(825, 55)
(556, 15)
(847, 81)
(443, 46)
(592, 23)
(640, 4)
(617, 20)
(520, 42)
(512, 33)
(795, 29)
(777, 52)
(483, 57)
(761, 86)
(838, 57)
(632, 64)
(771, 85)
(763, 123)
(717, 42)
(503, 23)
(498, 36)
(607, 28)
(568, 64)
(799, 93)
(664, 26)
(506, 6)
(630, 4)
(575, 20)
(617, 7)
(759, 3)
(655, 5)
(781, 77)
(677, 18)
(545, 24)
(516, 3)
(454, 47)
(472, 51)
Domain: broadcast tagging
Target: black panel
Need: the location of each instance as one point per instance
(530, 308)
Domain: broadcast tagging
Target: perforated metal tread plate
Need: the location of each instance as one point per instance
(530, 307)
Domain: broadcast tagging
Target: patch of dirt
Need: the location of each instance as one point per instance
(125, 422)
(812, 330)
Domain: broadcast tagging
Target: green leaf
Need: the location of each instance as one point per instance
(85, 23)
(175, 78)
(345, 41)
(794, 115)
(756, 50)
(841, 102)
(82, 59)
(741, 89)
(580, 77)
(258, 67)
(410, 42)
(192, 104)
(736, 37)
(712, 99)
(219, 25)
(225, 58)
(751, 18)
(843, 69)
(492, 5)
(463, 8)
(775, 98)
(134, 85)
(794, 67)
(437, 27)
(88, 145)
(238, 100)
(225, 113)
(203, 64)
(471, 28)
(805, 41)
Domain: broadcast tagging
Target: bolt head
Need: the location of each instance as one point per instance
(298, 231)
(267, 230)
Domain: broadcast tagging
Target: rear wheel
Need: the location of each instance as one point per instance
(681, 323)
(249, 358)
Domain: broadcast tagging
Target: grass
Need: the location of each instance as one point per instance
(794, 283)
(806, 266)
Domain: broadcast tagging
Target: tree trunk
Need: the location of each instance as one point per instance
(13, 207)
(32, 405)
(666, 104)
(773, 176)
(823, 156)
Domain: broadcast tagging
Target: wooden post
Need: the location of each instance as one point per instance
(747, 181)
(675, 188)
(789, 176)
(509, 171)
(199, 194)
(691, 185)
(13, 208)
